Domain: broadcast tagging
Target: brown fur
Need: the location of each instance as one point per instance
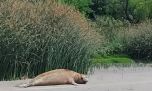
(57, 77)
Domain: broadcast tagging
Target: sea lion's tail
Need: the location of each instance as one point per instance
(24, 85)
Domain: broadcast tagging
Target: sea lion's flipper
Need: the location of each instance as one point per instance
(24, 85)
(73, 82)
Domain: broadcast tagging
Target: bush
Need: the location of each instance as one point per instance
(133, 10)
(109, 27)
(81, 5)
(43, 35)
(137, 41)
(140, 9)
(108, 7)
(124, 38)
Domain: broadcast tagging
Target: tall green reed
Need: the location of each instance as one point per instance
(41, 36)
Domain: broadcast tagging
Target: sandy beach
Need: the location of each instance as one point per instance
(111, 79)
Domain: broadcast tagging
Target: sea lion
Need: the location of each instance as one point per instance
(57, 77)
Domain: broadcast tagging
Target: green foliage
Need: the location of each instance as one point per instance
(113, 22)
(81, 5)
(140, 9)
(40, 36)
(109, 27)
(124, 38)
(137, 41)
(114, 8)
(111, 59)
(132, 10)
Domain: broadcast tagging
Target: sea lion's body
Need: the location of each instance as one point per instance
(56, 77)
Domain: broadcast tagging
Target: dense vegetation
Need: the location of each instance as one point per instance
(40, 35)
(123, 38)
(81, 5)
(131, 10)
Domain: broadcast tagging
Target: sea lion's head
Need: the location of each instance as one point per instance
(82, 79)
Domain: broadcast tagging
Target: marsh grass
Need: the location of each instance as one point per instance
(123, 38)
(136, 40)
(43, 35)
(109, 27)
